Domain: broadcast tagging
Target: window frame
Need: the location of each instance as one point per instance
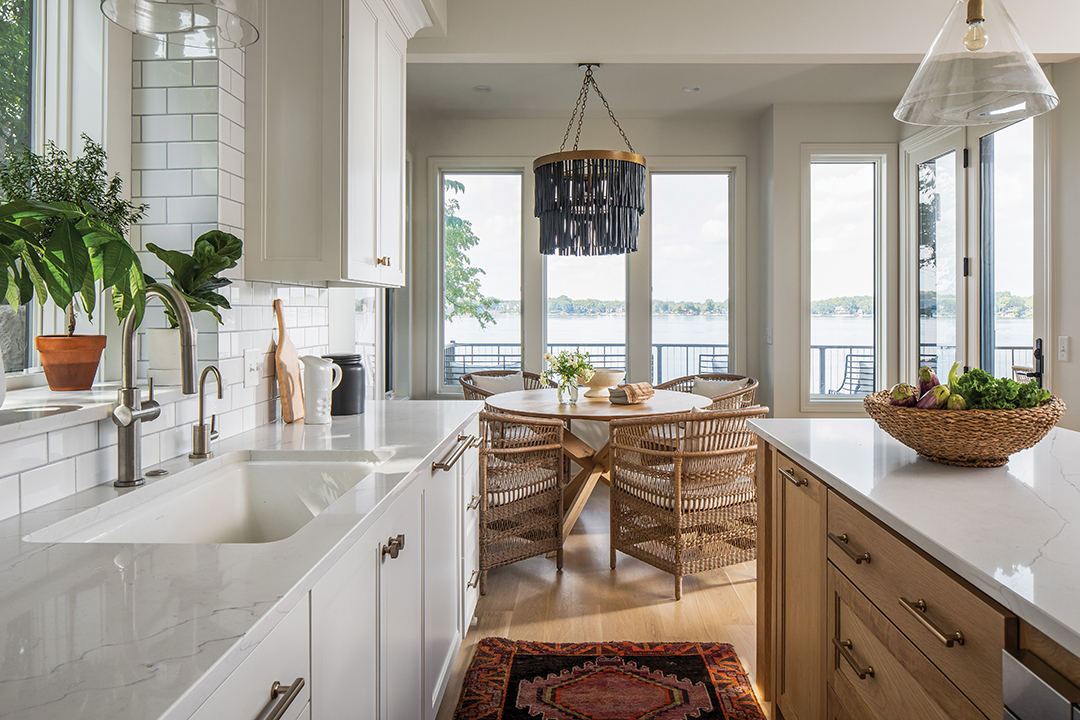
(884, 157)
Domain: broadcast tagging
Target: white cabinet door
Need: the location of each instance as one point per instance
(468, 504)
(283, 658)
(401, 609)
(345, 636)
(391, 235)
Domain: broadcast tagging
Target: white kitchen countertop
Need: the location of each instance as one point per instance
(116, 631)
(1013, 532)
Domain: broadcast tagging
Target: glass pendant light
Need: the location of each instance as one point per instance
(210, 25)
(589, 202)
(979, 71)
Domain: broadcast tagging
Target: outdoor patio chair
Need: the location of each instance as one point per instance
(858, 376)
(683, 497)
(521, 490)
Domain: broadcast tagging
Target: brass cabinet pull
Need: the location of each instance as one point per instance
(383, 261)
(464, 442)
(474, 579)
(394, 546)
(918, 610)
(844, 646)
(790, 475)
(842, 542)
(474, 503)
(288, 693)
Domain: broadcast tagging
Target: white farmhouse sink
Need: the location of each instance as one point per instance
(256, 498)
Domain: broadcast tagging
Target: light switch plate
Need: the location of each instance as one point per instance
(1063, 348)
(253, 362)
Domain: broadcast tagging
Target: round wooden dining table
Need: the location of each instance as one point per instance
(595, 463)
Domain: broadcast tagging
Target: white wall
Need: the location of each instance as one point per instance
(434, 137)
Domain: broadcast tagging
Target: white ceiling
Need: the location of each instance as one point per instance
(645, 90)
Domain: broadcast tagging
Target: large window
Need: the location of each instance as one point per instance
(586, 307)
(937, 272)
(481, 273)
(690, 267)
(845, 240)
(16, 105)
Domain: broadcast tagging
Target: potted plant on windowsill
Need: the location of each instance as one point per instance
(196, 276)
(65, 226)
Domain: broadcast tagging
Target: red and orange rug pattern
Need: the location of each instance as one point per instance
(515, 680)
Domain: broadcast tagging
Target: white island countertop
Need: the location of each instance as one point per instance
(1013, 532)
(118, 632)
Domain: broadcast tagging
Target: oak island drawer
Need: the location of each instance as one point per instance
(962, 633)
(876, 673)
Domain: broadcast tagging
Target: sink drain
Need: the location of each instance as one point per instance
(156, 473)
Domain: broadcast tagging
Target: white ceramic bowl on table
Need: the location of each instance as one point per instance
(602, 379)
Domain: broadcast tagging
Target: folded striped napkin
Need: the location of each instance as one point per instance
(631, 393)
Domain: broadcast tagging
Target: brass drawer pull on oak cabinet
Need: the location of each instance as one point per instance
(790, 475)
(918, 610)
(288, 693)
(842, 542)
(844, 646)
(474, 579)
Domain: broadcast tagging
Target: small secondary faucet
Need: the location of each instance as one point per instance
(202, 434)
(130, 410)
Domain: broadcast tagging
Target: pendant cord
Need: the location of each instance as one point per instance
(582, 101)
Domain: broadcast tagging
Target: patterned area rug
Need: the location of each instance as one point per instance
(511, 680)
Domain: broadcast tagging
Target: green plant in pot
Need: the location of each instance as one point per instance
(197, 276)
(64, 226)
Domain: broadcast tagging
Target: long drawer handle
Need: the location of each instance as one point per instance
(790, 475)
(844, 646)
(464, 442)
(918, 610)
(393, 546)
(474, 579)
(474, 503)
(288, 693)
(842, 542)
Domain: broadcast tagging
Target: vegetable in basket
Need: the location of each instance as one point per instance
(903, 395)
(927, 379)
(956, 402)
(935, 398)
(983, 391)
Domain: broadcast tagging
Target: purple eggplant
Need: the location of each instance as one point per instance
(935, 398)
(927, 379)
(903, 395)
(956, 402)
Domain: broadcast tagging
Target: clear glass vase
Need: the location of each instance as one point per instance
(568, 392)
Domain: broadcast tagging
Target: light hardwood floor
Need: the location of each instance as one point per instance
(588, 601)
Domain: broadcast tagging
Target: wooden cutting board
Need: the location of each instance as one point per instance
(287, 361)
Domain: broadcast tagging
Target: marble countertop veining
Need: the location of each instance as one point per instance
(1013, 532)
(117, 632)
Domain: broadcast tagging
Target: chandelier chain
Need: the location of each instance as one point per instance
(581, 95)
(611, 114)
(582, 102)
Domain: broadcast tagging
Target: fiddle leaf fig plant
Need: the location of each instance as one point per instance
(196, 275)
(63, 230)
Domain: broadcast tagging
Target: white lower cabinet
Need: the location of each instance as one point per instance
(281, 661)
(469, 511)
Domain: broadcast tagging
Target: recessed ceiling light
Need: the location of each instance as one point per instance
(690, 89)
(482, 88)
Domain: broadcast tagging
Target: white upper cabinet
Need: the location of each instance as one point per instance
(325, 141)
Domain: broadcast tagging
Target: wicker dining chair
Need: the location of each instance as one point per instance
(683, 497)
(741, 398)
(472, 392)
(521, 490)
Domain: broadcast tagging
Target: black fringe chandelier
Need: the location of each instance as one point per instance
(589, 201)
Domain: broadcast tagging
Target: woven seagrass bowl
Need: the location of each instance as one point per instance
(967, 438)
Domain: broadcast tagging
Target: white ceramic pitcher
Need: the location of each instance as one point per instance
(320, 378)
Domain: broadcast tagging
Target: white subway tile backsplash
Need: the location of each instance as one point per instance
(179, 52)
(230, 212)
(204, 182)
(204, 127)
(170, 237)
(24, 454)
(166, 128)
(148, 156)
(71, 441)
(167, 73)
(146, 48)
(165, 183)
(148, 102)
(193, 100)
(151, 449)
(232, 160)
(46, 484)
(9, 496)
(155, 213)
(193, 209)
(204, 72)
(95, 468)
(174, 442)
(193, 155)
(230, 106)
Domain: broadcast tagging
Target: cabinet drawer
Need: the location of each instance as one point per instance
(897, 681)
(282, 657)
(928, 604)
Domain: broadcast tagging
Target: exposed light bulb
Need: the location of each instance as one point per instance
(975, 38)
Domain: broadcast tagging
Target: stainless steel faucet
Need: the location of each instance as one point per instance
(130, 410)
(202, 434)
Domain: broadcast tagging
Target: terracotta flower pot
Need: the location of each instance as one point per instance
(70, 362)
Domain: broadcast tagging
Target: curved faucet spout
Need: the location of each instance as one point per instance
(171, 297)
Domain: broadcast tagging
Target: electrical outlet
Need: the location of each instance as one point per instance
(253, 362)
(1063, 348)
